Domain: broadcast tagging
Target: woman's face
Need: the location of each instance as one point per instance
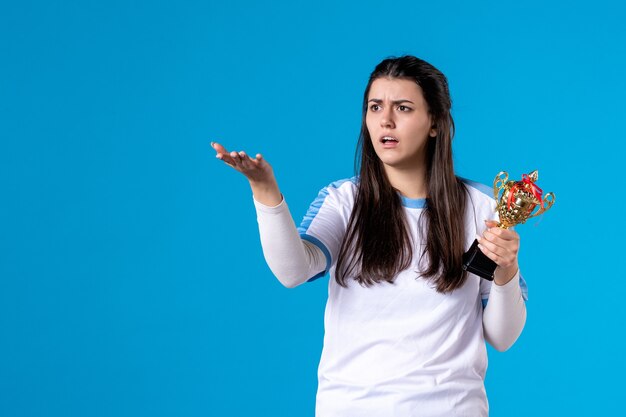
(398, 122)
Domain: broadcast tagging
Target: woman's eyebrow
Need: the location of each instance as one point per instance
(378, 101)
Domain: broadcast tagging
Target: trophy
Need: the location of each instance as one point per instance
(516, 202)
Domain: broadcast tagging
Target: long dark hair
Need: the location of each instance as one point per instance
(377, 244)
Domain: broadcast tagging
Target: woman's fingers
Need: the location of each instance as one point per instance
(243, 163)
(500, 245)
(244, 158)
(239, 161)
(491, 223)
(246, 163)
(488, 253)
(222, 153)
(255, 169)
(225, 158)
(493, 249)
(496, 233)
(219, 148)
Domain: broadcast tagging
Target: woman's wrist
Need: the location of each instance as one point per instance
(503, 276)
(266, 193)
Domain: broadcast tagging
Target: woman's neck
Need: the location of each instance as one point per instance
(411, 183)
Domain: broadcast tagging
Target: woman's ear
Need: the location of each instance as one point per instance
(433, 131)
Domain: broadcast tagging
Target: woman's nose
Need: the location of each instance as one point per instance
(387, 119)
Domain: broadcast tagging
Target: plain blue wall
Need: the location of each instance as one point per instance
(132, 281)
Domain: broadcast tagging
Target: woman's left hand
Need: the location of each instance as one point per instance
(501, 246)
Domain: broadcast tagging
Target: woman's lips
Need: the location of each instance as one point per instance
(389, 142)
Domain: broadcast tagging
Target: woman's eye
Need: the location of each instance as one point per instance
(374, 107)
(403, 108)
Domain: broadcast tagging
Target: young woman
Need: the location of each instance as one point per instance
(405, 325)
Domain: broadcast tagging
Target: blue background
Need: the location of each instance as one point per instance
(132, 281)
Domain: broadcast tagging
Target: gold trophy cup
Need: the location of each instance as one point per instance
(516, 202)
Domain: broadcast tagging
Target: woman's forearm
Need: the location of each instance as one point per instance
(505, 314)
(292, 260)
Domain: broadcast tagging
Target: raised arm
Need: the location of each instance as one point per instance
(290, 259)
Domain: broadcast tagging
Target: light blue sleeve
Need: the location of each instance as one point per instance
(325, 222)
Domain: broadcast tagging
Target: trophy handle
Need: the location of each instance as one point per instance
(499, 182)
(548, 201)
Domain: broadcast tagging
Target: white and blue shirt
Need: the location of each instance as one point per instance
(400, 349)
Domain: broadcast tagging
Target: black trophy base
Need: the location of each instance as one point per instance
(478, 263)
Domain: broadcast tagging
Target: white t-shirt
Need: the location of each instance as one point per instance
(400, 349)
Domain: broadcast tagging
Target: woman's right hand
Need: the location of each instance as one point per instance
(256, 170)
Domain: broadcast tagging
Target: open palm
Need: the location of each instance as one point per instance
(256, 169)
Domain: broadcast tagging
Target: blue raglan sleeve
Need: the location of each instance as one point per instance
(326, 220)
